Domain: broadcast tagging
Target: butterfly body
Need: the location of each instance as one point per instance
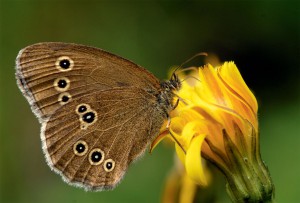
(98, 111)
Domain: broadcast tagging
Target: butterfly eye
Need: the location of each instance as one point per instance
(96, 156)
(64, 63)
(80, 148)
(64, 98)
(109, 165)
(62, 84)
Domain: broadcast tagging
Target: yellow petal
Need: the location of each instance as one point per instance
(188, 190)
(209, 89)
(230, 75)
(193, 163)
(184, 140)
(180, 154)
(188, 133)
(177, 124)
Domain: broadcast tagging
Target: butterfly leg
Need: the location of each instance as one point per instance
(179, 99)
(174, 138)
(175, 105)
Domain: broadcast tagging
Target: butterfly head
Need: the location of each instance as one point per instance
(166, 95)
(174, 84)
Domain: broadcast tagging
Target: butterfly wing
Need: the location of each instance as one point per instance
(98, 111)
(123, 126)
(46, 71)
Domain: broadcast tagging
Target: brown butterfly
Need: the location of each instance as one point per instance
(98, 111)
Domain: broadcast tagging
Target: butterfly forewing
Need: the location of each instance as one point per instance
(39, 74)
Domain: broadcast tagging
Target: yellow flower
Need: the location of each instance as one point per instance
(180, 188)
(217, 120)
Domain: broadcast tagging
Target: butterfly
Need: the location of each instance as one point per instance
(98, 111)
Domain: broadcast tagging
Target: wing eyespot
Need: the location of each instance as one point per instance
(80, 148)
(109, 165)
(87, 116)
(82, 108)
(61, 84)
(87, 119)
(96, 156)
(64, 98)
(64, 63)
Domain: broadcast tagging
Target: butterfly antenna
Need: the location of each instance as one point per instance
(188, 77)
(190, 59)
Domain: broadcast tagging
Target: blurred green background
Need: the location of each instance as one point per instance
(262, 37)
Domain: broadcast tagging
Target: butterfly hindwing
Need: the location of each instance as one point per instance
(118, 132)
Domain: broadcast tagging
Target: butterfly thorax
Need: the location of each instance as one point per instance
(166, 95)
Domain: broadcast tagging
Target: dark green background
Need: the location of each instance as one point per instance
(262, 37)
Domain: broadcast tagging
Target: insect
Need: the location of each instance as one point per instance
(98, 111)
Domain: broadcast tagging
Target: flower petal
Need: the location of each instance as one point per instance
(186, 136)
(230, 75)
(180, 153)
(209, 89)
(193, 163)
(188, 190)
